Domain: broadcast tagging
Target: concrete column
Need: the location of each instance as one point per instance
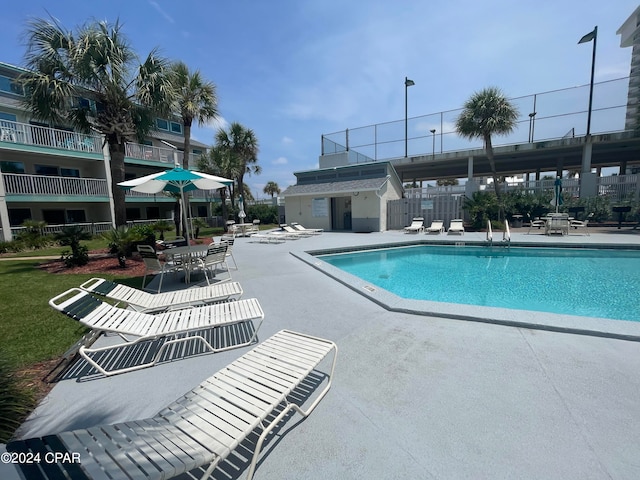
(560, 167)
(586, 156)
(107, 173)
(470, 168)
(623, 168)
(4, 213)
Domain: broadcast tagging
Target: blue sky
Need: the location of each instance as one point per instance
(292, 70)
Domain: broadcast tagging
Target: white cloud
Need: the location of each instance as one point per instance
(287, 140)
(280, 161)
(161, 11)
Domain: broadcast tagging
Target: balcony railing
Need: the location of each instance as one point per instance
(26, 134)
(23, 184)
(168, 156)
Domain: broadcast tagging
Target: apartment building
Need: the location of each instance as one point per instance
(54, 174)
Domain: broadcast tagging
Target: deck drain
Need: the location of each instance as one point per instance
(369, 288)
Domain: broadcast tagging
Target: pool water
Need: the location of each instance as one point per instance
(584, 282)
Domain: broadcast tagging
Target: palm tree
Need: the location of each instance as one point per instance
(271, 188)
(95, 62)
(241, 145)
(488, 112)
(195, 100)
(219, 161)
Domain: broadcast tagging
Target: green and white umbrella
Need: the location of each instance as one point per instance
(176, 180)
(556, 201)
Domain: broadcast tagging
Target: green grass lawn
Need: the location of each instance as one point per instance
(30, 330)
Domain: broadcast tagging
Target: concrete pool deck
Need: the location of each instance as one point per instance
(414, 396)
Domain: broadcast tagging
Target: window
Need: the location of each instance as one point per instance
(53, 217)
(70, 172)
(17, 216)
(12, 167)
(9, 117)
(9, 85)
(162, 124)
(133, 214)
(176, 127)
(47, 170)
(153, 212)
(76, 216)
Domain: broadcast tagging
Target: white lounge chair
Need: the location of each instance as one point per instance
(417, 225)
(175, 325)
(200, 429)
(268, 237)
(456, 226)
(437, 226)
(293, 232)
(142, 301)
(312, 231)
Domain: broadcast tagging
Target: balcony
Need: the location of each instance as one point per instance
(166, 156)
(23, 184)
(27, 134)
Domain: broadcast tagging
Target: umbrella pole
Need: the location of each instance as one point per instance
(184, 216)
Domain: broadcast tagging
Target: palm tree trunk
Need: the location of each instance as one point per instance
(187, 144)
(116, 152)
(492, 164)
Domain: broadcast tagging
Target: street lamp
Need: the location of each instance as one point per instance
(532, 120)
(433, 134)
(587, 38)
(407, 83)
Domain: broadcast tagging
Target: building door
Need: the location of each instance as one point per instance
(341, 213)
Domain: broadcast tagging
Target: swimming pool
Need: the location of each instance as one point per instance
(582, 282)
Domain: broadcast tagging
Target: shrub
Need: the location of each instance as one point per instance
(121, 242)
(267, 214)
(16, 401)
(71, 236)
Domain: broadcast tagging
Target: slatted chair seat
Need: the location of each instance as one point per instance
(176, 326)
(200, 429)
(154, 302)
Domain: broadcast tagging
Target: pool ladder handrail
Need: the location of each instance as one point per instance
(489, 233)
(506, 235)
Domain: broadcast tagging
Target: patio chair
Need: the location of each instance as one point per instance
(417, 225)
(312, 231)
(537, 223)
(251, 395)
(575, 224)
(142, 301)
(437, 226)
(153, 264)
(216, 257)
(175, 326)
(229, 240)
(456, 226)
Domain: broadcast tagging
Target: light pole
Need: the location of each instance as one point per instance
(586, 155)
(587, 38)
(407, 83)
(433, 151)
(532, 116)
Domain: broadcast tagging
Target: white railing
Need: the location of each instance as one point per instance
(95, 228)
(23, 184)
(619, 187)
(24, 133)
(163, 155)
(147, 152)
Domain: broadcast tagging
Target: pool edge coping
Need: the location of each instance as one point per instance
(591, 326)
